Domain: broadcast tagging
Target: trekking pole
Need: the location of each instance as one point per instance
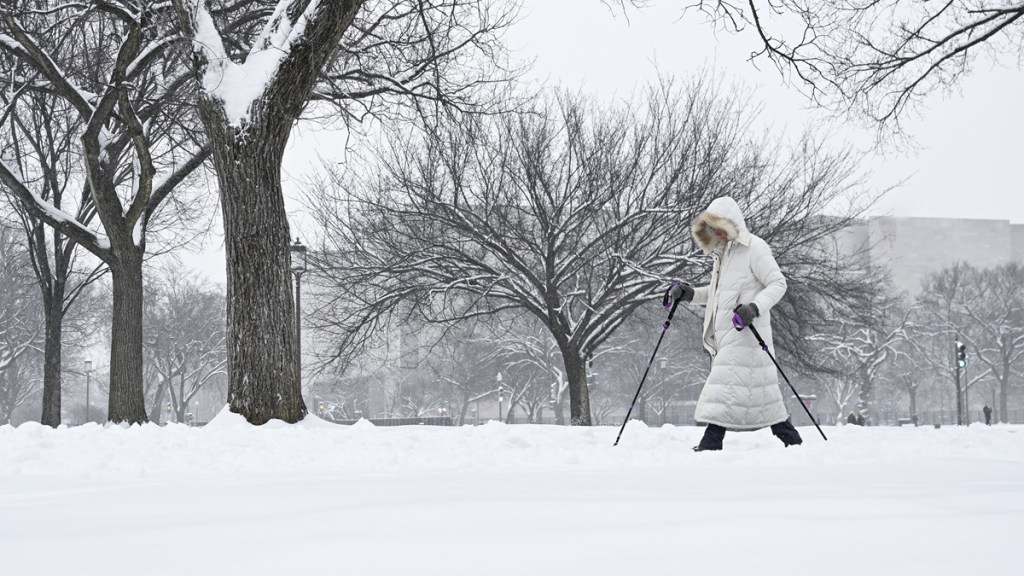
(668, 321)
(738, 323)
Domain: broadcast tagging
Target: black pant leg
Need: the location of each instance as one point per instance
(713, 436)
(787, 433)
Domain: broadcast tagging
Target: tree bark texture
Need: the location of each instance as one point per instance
(579, 394)
(126, 403)
(263, 379)
(54, 320)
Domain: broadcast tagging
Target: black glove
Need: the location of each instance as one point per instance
(747, 313)
(678, 291)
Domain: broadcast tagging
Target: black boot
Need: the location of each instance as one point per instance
(712, 440)
(787, 433)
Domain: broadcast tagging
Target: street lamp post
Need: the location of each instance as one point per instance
(298, 267)
(958, 351)
(88, 383)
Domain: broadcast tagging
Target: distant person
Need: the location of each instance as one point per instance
(988, 415)
(860, 420)
(742, 389)
(851, 419)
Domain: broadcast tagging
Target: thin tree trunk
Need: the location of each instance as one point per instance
(54, 321)
(262, 374)
(158, 400)
(126, 402)
(464, 409)
(864, 400)
(1004, 385)
(913, 402)
(53, 287)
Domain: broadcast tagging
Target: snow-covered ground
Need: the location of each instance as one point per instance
(317, 498)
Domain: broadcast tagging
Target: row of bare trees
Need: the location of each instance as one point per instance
(902, 348)
(111, 106)
(100, 135)
(984, 308)
(886, 358)
(183, 322)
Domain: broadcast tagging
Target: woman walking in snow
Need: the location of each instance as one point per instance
(742, 390)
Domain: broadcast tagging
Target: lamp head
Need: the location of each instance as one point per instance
(298, 257)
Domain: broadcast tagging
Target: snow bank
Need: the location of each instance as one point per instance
(499, 499)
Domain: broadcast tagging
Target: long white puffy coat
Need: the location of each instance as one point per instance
(742, 390)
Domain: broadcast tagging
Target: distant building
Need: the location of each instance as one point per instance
(913, 248)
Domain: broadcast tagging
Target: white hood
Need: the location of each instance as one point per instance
(724, 214)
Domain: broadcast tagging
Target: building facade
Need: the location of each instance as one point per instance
(913, 248)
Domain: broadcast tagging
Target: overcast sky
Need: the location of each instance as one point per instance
(970, 144)
(970, 155)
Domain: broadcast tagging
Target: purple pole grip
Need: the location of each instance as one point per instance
(737, 322)
(668, 301)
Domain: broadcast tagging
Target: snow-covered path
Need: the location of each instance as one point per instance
(496, 499)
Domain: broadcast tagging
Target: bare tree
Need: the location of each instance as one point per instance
(258, 65)
(185, 340)
(877, 58)
(567, 212)
(999, 316)
(985, 310)
(463, 360)
(42, 130)
(20, 325)
(108, 62)
(529, 360)
(911, 369)
(861, 342)
(676, 374)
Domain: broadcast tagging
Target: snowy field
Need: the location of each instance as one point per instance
(317, 498)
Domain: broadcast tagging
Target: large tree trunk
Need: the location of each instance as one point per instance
(263, 377)
(54, 322)
(126, 402)
(579, 395)
(263, 380)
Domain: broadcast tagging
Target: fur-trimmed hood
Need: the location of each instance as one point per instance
(725, 214)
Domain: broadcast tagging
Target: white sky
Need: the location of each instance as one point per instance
(971, 144)
(967, 163)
